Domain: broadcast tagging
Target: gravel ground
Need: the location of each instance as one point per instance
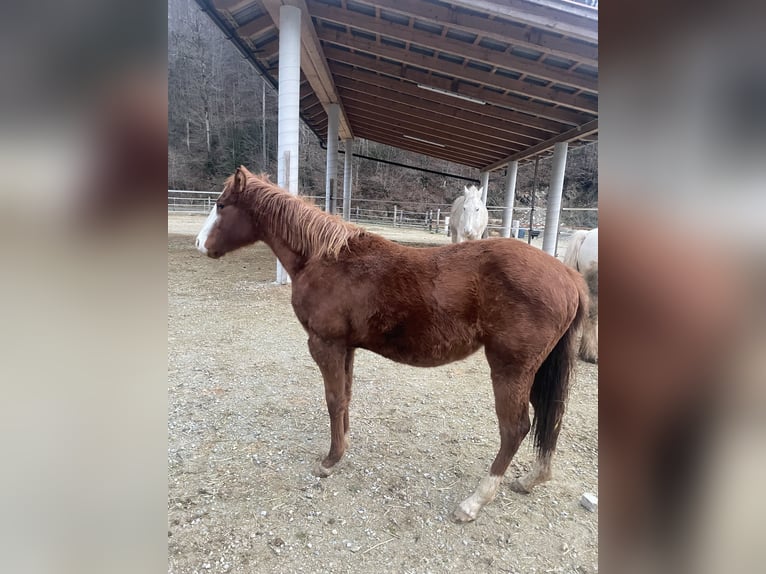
(247, 420)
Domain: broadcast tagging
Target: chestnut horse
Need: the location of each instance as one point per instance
(419, 306)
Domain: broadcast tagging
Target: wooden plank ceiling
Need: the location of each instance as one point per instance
(525, 71)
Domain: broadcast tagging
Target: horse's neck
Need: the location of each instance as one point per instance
(276, 234)
(291, 260)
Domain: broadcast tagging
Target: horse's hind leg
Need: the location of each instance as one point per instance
(511, 389)
(332, 359)
(542, 470)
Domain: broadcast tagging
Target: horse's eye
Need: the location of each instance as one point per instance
(477, 209)
(219, 206)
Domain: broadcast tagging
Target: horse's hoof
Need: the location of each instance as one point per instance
(517, 486)
(322, 471)
(461, 516)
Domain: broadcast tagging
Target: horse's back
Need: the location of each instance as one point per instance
(520, 266)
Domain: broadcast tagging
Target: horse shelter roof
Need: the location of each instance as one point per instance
(475, 82)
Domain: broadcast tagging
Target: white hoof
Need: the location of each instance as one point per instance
(461, 515)
(518, 486)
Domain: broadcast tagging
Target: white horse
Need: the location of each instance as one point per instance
(583, 250)
(582, 254)
(468, 217)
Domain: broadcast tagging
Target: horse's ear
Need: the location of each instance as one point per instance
(240, 179)
(466, 191)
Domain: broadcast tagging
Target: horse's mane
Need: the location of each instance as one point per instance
(306, 228)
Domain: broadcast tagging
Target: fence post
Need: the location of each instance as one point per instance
(438, 216)
(394, 215)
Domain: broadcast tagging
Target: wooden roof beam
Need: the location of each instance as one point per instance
(376, 112)
(483, 114)
(401, 71)
(583, 130)
(589, 105)
(231, 5)
(381, 127)
(534, 39)
(256, 26)
(455, 146)
(455, 47)
(573, 20)
(397, 140)
(411, 145)
(486, 134)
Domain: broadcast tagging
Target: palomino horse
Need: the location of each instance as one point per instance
(468, 216)
(582, 254)
(425, 307)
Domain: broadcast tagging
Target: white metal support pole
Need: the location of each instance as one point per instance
(348, 147)
(510, 196)
(554, 198)
(484, 190)
(484, 176)
(289, 106)
(332, 158)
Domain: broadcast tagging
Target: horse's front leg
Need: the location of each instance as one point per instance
(331, 357)
(349, 380)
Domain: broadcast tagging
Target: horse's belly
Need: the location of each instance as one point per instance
(423, 351)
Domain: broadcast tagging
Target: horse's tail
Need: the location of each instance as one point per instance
(551, 386)
(573, 251)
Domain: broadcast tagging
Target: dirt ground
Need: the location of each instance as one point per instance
(247, 420)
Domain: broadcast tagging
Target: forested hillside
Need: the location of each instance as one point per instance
(222, 114)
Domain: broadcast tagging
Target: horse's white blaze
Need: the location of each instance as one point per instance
(484, 494)
(209, 223)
